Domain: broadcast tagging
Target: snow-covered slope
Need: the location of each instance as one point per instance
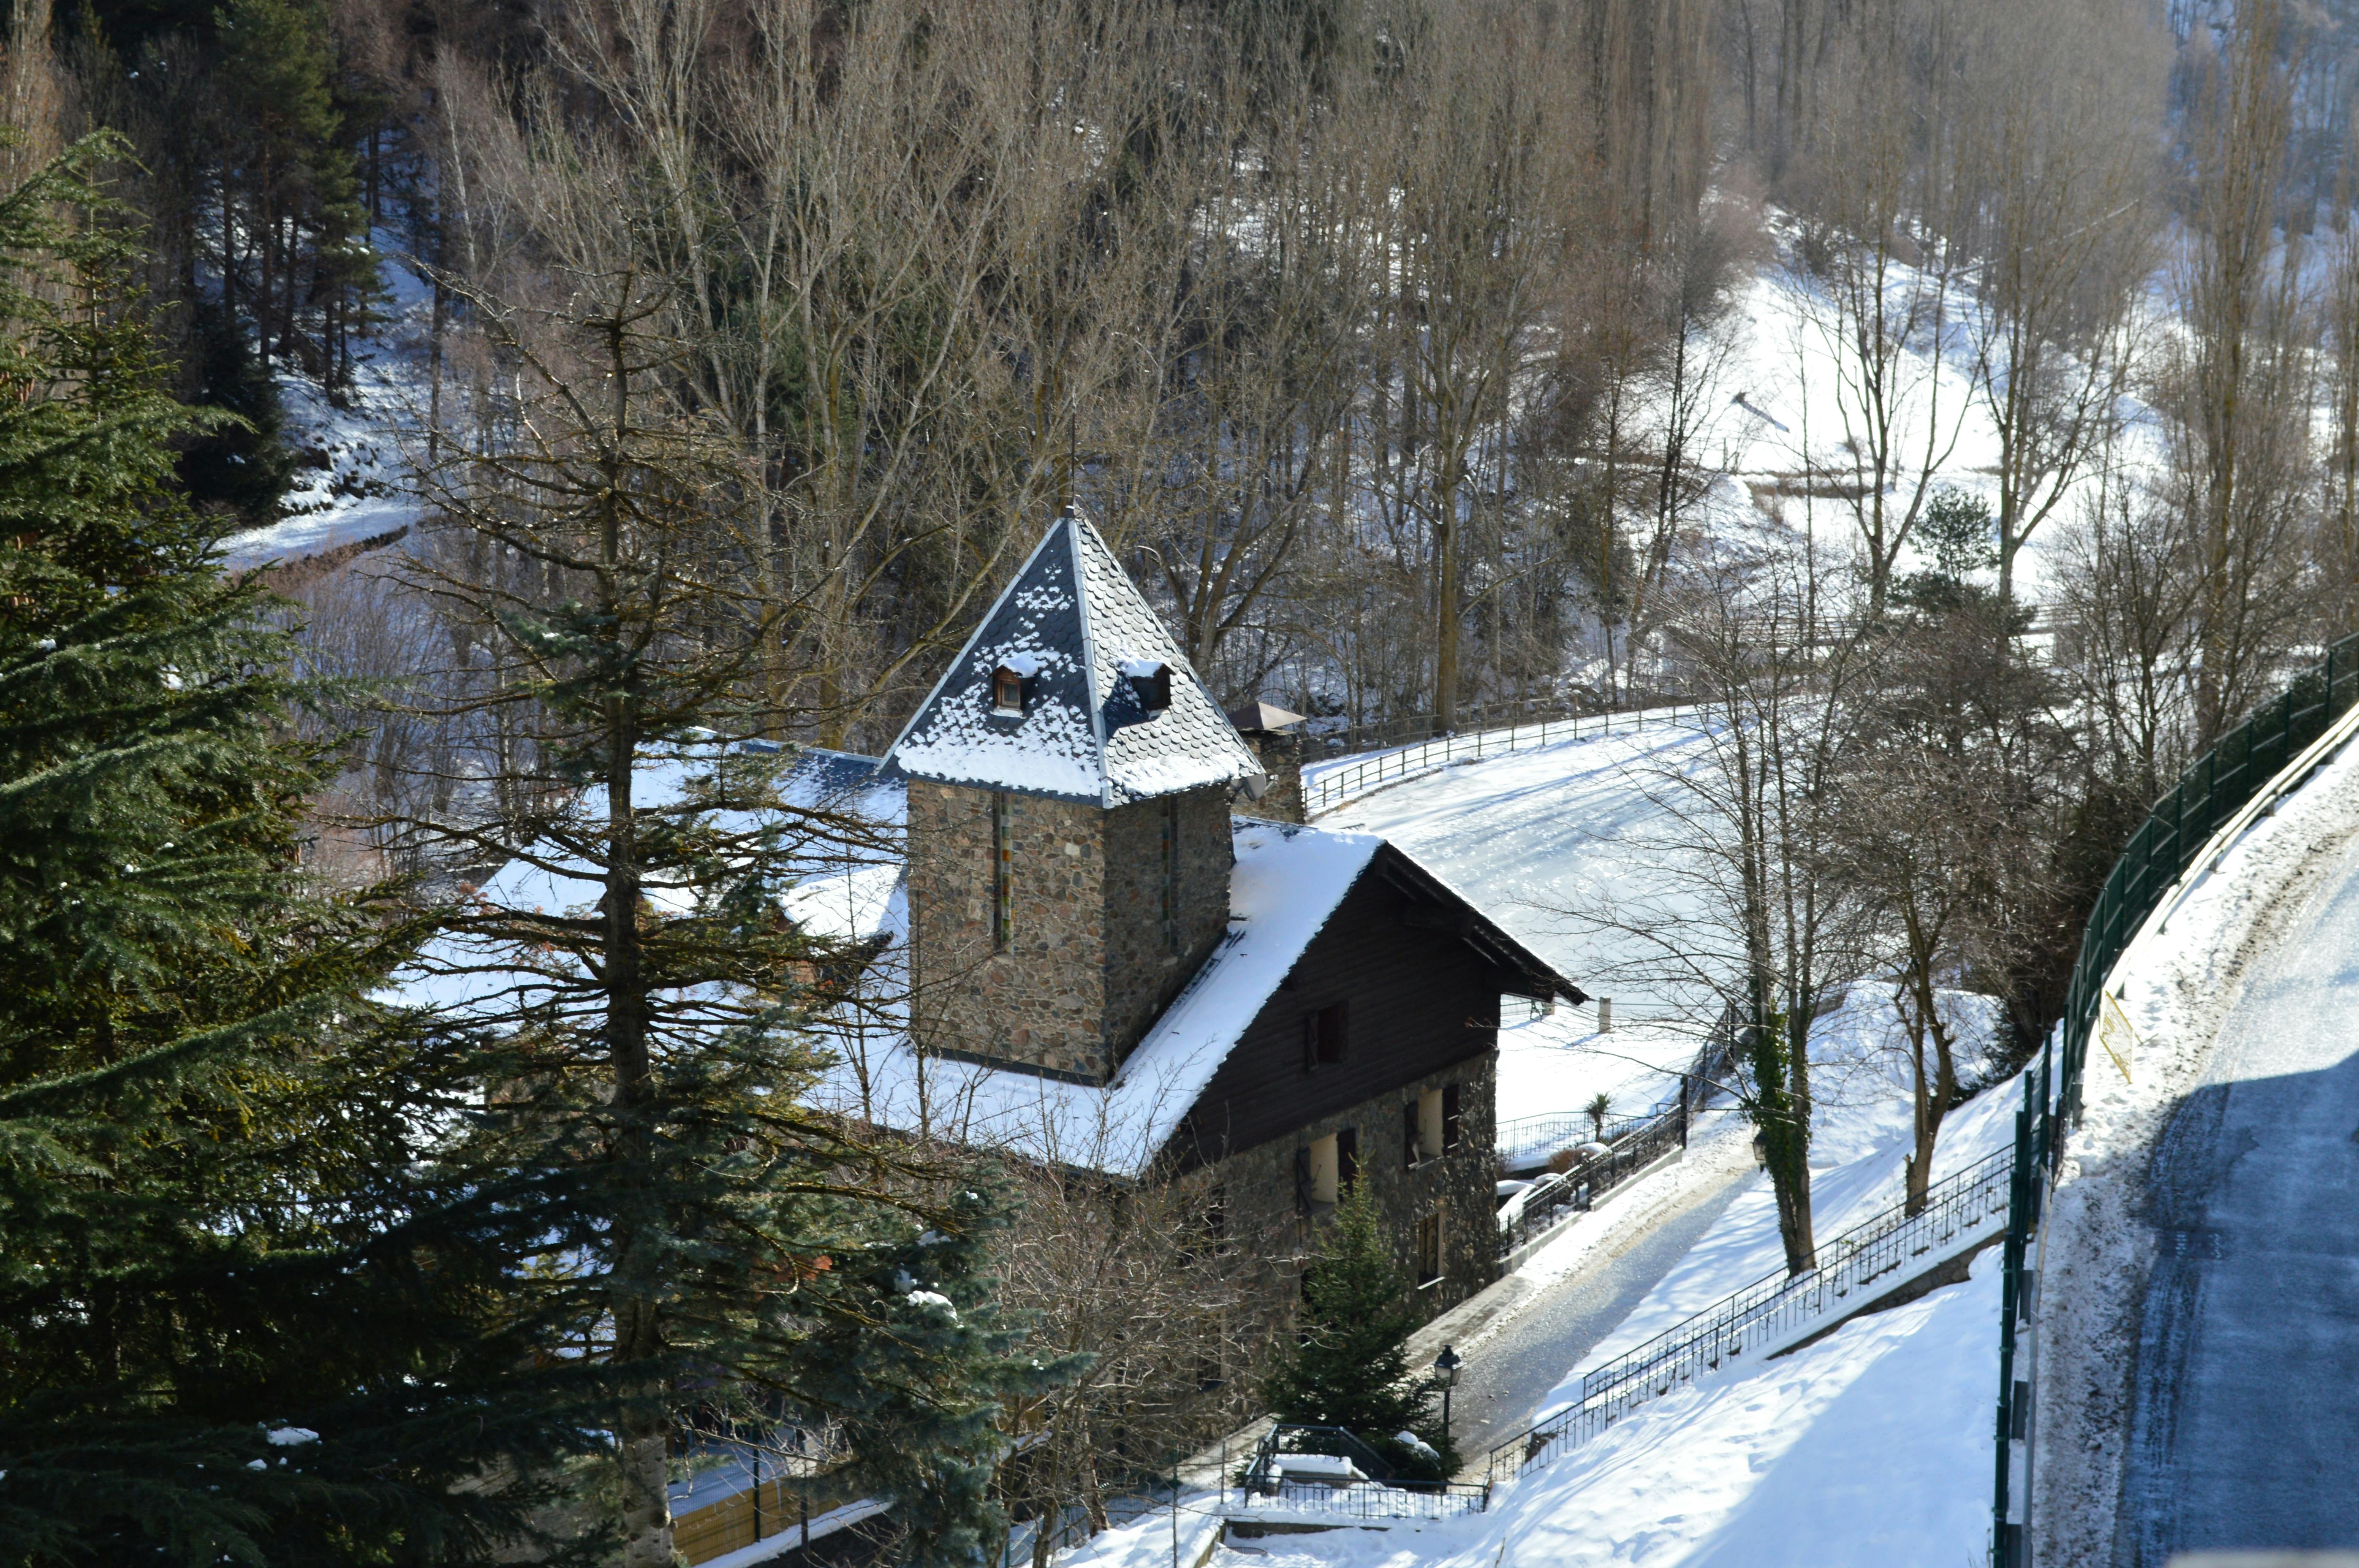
(1544, 841)
(355, 484)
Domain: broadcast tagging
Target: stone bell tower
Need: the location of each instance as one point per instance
(1069, 784)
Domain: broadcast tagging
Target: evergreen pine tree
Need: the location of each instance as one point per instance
(1349, 1367)
(718, 1244)
(248, 1313)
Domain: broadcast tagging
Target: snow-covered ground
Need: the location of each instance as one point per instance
(1869, 1448)
(1545, 841)
(355, 481)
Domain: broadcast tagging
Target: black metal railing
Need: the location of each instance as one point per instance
(1372, 1500)
(1634, 1143)
(1335, 784)
(1376, 1492)
(1529, 1143)
(1772, 1312)
(2207, 797)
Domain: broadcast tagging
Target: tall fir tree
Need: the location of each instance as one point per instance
(1349, 1366)
(250, 1309)
(718, 1245)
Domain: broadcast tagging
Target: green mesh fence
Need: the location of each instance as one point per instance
(2213, 789)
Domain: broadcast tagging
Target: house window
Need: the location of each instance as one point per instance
(1322, 1037)
(1433, 1121)
(1008, 690)
(1150, 682)
(1347, 1159)
(1453, 1124)
(1324, 1174)
(1170, 875)
(1428, 1248)
(1410, 1141)
(1002, 871)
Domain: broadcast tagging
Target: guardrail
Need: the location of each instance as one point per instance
(1378, 1493)
(2219, 794)
(1769, 1315)
(1637, 1144)
(1332, 785)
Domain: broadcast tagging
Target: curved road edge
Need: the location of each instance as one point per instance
(2177, 985)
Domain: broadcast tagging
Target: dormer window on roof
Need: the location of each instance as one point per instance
(1150, 682)
(1009, 680)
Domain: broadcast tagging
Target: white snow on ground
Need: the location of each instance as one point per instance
(359, 488)
(2176, 981)
(1870, 1448)
(1538, 840)
(1856, 1156)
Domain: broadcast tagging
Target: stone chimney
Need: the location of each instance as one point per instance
(1275, 737)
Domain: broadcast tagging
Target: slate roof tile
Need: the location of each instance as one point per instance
(1074, 616)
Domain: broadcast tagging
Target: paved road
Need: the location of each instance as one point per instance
(2245, 1431)
(1508, 1375)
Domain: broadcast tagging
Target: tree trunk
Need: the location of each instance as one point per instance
(642, 1429)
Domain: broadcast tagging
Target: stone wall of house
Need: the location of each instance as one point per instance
(1281, 758)
(1148, 958)
(1041, 1000)
(1090, 961)
(1272, 1223)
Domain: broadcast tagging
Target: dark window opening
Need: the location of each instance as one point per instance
(1409, 1135)
(1452, 1123)
(1428, 1248)
(1347, 1159)
(1002, 871)
(1323, 1037)
(1151, 683)
(1170, 875)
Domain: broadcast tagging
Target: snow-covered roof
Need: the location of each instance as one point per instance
(1287, 880)
(1071, 624)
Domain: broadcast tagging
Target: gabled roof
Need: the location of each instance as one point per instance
(1287, 882)
(1070, 623)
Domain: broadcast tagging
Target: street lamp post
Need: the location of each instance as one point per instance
(1447, 1364)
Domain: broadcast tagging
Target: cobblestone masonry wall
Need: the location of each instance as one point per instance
(1281, 758)
(1042, 1001)
(1265, 1219)
(1089, 963)
(1146, 963)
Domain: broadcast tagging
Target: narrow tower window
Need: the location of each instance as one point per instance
(1002, 872)
(1170, 875)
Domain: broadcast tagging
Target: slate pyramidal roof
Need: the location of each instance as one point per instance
(1072, 623)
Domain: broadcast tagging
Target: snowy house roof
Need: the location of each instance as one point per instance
(1287, 884)
(1080, 649)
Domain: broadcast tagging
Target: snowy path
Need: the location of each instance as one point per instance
(2245, 1433)
(1511, 1374)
